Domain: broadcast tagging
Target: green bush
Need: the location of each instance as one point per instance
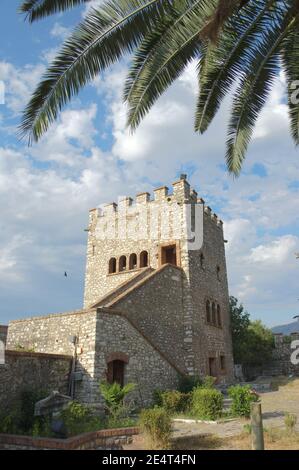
(242, 397)
(174, 401)
(206, 403)
(187, 383)
(156, 425)
(208, 382)
(78, 419)
(114, 395)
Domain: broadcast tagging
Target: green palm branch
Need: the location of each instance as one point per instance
(240, 47)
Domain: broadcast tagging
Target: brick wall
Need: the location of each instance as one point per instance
(23, 370)
(99, 440)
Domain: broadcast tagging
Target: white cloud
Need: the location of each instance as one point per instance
(48, 207)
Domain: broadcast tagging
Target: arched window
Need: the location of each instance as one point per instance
(219, 323)
(112, 265)
(214, 313)
(133, 261)
(122, 266)
(218, 272)
(143, 259)
(208, 311)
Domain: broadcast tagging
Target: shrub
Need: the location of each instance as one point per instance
(208, 382)
(78, 419)
(206, 403)
(156, 425)
(290, 421)
(242, 397)
(114, 395)
(173, 401)
(187, 383)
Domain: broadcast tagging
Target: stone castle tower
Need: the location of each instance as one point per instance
(128, 242)
(156, 303)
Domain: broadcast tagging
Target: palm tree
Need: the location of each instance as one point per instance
(240, 47)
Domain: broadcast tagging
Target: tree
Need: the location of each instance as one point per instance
(252, 341)
(239, 324)
(243, 42)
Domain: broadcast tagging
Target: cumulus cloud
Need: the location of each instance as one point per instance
(47, 191)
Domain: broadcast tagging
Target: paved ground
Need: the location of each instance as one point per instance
(275, 405)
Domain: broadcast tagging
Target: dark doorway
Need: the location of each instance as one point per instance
(212, 367)
(169, 255)
(116, 372)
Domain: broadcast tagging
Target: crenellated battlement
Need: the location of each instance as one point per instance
(181, 194)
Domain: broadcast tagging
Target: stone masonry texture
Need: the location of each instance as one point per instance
(151, 313)
(32, 371)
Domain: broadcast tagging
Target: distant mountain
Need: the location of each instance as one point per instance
(287, 329)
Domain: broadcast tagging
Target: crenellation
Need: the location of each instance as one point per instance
(163, 302)
(161, 193)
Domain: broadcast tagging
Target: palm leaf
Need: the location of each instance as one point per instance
(224, 63)
(37, 9)
(290, 61)
(104, 36)
(253, 91)
(175, 48)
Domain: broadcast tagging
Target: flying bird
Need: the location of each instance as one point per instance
(296, 316)
(65, 274)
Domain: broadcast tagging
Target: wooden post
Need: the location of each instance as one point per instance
(257, 431)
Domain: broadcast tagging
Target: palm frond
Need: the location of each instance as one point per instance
(162, 64)
(223, 64)
(37, 9)
(104, 36)
(290, 62)
(253, 91)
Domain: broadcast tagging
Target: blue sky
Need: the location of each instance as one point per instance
(88, 158)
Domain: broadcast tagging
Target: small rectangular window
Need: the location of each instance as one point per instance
(222, 362)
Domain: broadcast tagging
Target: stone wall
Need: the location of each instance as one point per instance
(99, 440)
(3, 333)
(146, 367)
(99, 334)
(155, 306)
(192, 341)
(51, 334)
(206, 284)
(281, 363)
(24, 370)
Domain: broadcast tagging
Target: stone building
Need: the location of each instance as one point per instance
(156, 302)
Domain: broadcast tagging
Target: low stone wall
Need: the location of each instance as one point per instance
(100, 440)
(280, 363)
(26, 370)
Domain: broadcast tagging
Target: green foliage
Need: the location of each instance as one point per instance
(187, 383)
(247, 428)
(208, 382)
(242, 397)
(19, 418)
(156, 425)
(114, 394)
(174, 401)
(236, 41)
(252, 341)
(206, 403)
(78, 419)
(290, 421)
